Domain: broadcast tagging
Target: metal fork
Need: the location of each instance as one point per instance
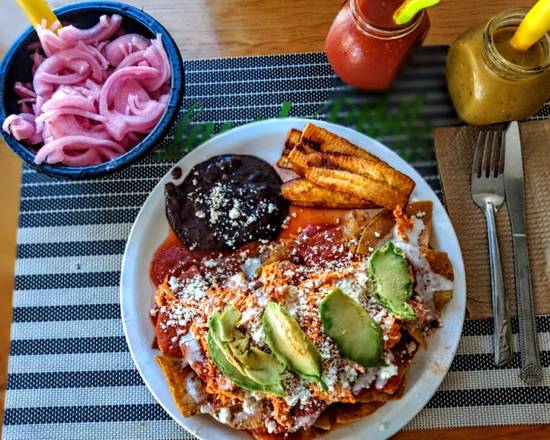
(487, 187)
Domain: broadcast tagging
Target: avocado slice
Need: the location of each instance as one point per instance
(356, 334)
(248, 367)
(229, 371)
(389, 271)
(262, 367)
(290, 344)
(214, 331)
(228, 322)
(259, 366)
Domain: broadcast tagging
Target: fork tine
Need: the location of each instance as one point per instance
(486, 162)
(478, 154)
(495, 154)
(501, 155)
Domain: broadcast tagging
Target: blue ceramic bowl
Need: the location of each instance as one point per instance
(16, 66)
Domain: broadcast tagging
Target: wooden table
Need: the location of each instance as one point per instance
(215, 28)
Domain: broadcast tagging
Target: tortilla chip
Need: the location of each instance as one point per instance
(423, 210)
(255, 420)
(310, 434)
(380, 396)
(302, 192)
(324, 421)
(417, 335)
(394, 389)
(351, 412)
(292, 139)
(177, 378)
(439, 262)
(441, 299)
(353, 224)
(379, 226)
(163, 294)
(282, 250)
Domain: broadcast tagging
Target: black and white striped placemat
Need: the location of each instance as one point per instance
(70, 373)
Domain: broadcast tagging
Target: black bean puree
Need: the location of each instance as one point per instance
(226, 202)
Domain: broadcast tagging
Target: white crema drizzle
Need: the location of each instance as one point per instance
(427, 281)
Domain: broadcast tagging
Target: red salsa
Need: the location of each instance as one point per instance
(366, 48)
(318, 238)
(172, 258)
(320, 243)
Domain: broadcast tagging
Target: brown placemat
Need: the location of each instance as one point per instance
(454, 151)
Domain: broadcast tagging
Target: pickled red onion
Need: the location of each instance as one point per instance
(22, 127)
(92, 98)
(102, 31)
(120, 48)
(56, 151)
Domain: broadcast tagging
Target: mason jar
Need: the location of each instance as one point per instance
(366, 48)
(489, 81)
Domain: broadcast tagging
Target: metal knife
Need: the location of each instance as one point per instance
(531, 371)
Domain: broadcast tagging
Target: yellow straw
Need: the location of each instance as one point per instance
(408, 10)
(36, 11)
(533, 26)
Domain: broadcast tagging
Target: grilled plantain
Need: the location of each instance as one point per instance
(292, 139)
(323, 140)
(332, 162)
(302, 192)
(380, 172)
(301, 157)
(380, 193)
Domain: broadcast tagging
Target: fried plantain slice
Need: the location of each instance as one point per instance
(292, 138)
(379, 172)
(323, 140)
(177, 378)
(301, 157)
(422, 209)
(302, 192)
(381, 184)
(377, 192)
(378, 227)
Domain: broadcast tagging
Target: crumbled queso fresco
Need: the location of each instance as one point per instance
(226, 202)
(336, 370)
(299, 288)
(223, 209)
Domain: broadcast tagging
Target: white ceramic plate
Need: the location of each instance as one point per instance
(265, 140)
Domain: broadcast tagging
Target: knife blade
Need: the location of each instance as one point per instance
(531, 371)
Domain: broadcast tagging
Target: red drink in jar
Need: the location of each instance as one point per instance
(366, 48)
